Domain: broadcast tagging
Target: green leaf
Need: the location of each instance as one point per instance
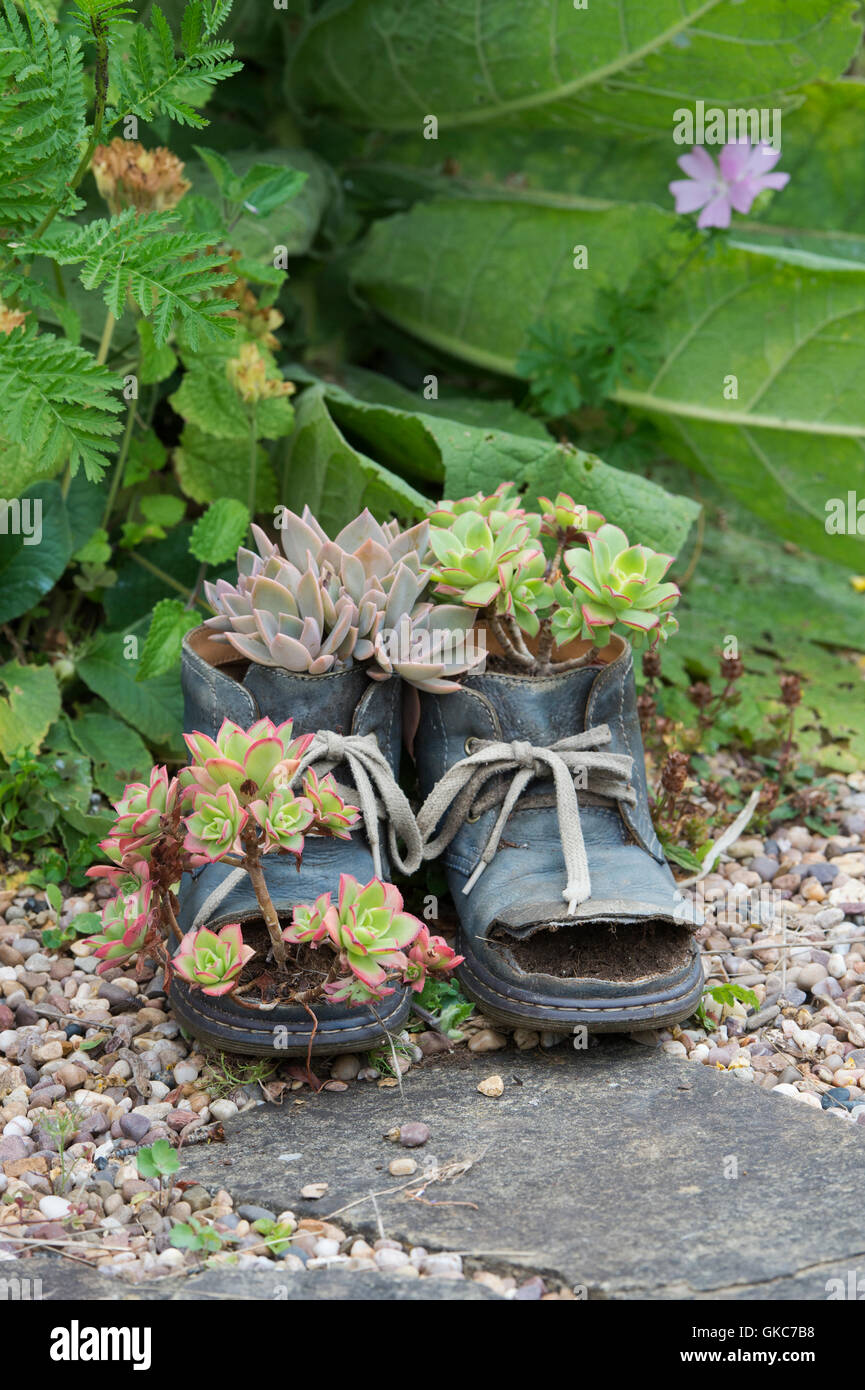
(57, 401)
(293, 223)
(96, 550)
(209, 468)
(217, 534)
(86, 923)
(54, 896)
(117, 752)
(146, 455)
(29, 708)
(335, 480)
(138, 590)
(588, 165)
(207, 399)
(158, 361)
(183, 1237)
(401, 427)
(162, 508)
(470, 278)
(29, 571)
(157, 1161)
(154, 708)
(171, 621)
(785, 445)
(173, 277)
(630, 64)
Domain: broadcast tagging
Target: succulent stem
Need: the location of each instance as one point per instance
(575, 662)
(497, 626)
(252, 864)
(545, 644)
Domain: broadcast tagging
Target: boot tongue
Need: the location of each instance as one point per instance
(539, 710)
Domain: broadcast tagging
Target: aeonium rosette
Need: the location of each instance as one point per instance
(283, 817)
(214, 824)
(565, 518)
(126, 921)
(212, 961)
(140, 812)
(614, 582)
(332, 814)
(253, 763)
(429, 954)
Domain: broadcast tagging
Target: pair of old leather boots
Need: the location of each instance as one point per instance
(534, 795)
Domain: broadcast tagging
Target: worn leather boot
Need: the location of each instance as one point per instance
(358, 737)
(535, 796)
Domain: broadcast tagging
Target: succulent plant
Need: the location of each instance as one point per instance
(213, 960)
(616, 583)
(139, 814)
(126, 920)
(564, 514)
(369, 929)
(124, 878)
(429, 953)
(308, 925)
(497, 509)
(324, 604)
(214, 824)
(483, 567)
(283, 817)
(332, 814)
(252, 762)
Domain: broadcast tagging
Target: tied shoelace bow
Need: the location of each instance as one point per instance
(377, 790)
(570, 762)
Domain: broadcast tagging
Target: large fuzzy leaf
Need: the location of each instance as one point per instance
(631, 63)
(475, 457)
(472, 277)
(335, 480)
(155, 707)
(29, 707)
(822, 209)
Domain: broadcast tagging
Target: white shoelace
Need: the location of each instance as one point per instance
(571, 762)
(378, 793)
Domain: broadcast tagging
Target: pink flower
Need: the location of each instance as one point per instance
(745, 170)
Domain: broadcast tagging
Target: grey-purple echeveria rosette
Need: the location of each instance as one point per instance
(404, 602)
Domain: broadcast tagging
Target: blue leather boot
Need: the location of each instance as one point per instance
(358, 726)
(535, 796)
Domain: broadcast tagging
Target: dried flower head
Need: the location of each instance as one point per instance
(700, 694)
(732, 667)
(651, 664)
(129, 176)
(247, 373)
(10, 318)
(791, 691)
(675, 772)
(256, 320)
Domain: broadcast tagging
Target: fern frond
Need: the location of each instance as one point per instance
(57, 402)
(151, 77)
(102, 17)
(169, 275)
(42, 116)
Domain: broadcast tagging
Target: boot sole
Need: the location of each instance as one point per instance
(227, 1028)
(596, 1015)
